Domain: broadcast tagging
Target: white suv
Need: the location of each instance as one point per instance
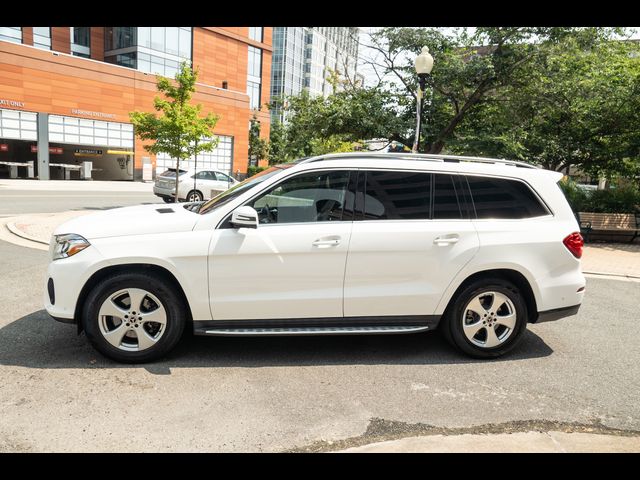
(194, 185)
(337, 244)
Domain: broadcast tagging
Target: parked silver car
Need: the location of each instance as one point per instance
(194, 185)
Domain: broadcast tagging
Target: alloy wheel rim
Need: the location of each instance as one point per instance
(194, 197)
(489, 319)
(132, 319)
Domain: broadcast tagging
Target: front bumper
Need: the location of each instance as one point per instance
(557, 313)
(65, 279)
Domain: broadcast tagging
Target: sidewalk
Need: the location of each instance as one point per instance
(618, 259)
(521, 442)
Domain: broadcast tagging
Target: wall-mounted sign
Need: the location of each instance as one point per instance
(87, 152)
(11, 103)
(92, 114)
(54, 150)
(119, 152)
(4, 147)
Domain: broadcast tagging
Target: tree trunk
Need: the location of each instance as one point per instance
(438, 144)
(177, 180)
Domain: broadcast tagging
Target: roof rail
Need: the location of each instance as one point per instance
(418, 156)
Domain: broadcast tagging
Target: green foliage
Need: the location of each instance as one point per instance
(577, 197)
(258, 147)
(178, 131)
(580, 106)
(552, 95)
(623, 199)
(278, 146)
(253, 169)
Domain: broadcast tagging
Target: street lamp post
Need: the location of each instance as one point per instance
(423, 64)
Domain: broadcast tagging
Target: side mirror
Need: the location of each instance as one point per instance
(244, 217)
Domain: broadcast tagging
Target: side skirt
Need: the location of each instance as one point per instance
(318, 326)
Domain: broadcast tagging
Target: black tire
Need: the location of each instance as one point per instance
(167, 199)
(452, 324)
(197, 196)
(173, 305)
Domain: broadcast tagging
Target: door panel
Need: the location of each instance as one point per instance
(292, 265)
(400, 267)
(278, 271)
(400, 262)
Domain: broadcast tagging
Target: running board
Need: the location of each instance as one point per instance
(299, 331)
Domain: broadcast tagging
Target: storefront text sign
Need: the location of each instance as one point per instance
(87, 152)
(54, 150)
(92, 114)
(11, 103)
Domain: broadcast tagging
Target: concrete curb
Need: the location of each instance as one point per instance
(608, 274)
(16, 231)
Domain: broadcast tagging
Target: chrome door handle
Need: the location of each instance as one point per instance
(329, 242)
(447, 239)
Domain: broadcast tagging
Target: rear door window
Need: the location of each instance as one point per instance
(446, 205)
(394, 195)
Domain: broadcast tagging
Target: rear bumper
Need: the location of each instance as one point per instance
(164, 191)
(557, 314)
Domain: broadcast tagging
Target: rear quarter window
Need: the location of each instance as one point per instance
(501, 198)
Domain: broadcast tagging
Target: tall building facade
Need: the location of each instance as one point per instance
(66, 94)
(305, 58)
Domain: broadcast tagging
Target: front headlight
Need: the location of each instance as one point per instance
(68, 245)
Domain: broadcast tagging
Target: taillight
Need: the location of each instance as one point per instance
(574, 244)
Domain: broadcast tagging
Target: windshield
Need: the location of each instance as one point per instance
(240, 188)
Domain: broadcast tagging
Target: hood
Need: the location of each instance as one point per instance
(138, 220)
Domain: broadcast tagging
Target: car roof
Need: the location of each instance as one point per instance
(428, 162)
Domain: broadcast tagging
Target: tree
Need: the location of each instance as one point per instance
(258, 147)
(580, 107)
(469, 69)
(179, 131)
(278, 151)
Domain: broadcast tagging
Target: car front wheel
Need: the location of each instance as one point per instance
(133, 317)
(487, 319)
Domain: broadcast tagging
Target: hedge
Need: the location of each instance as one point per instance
(624, 199)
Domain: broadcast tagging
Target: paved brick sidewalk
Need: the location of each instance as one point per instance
(621, 259)
(612, 258)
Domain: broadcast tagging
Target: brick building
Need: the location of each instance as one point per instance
(66, 94)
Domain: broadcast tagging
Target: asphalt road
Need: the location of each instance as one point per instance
(16, 199)
(275, 394)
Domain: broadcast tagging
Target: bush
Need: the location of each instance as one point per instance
(625, 199)
(253, 169)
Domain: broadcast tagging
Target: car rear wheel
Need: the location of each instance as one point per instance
(487, 319)
(133, 317)
(167, 199)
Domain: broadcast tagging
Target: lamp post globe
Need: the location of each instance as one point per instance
(424, 62)
(423, 65)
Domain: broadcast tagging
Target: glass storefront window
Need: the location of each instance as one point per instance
(11, 34)
(144, 37)
(42, 37)
(81, 41)
(255, 33)
(157, 38)
(157, 50)
(185, 42)
(172, 40)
